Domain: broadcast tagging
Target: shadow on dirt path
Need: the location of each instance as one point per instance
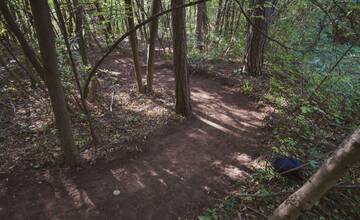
(187, 167)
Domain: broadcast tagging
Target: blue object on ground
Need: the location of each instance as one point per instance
(283, 164)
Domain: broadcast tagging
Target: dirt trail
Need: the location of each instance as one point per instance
(187, 167)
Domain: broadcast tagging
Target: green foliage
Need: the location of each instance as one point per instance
(247, 88)
(309, 124)
(210, 214)
(230, 206)
(228, 209)
(2, 29)
(287, 146)
(262, 176)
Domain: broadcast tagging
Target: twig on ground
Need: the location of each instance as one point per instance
(112, 101)
(265, 195)
(257, 212)
(354, 186)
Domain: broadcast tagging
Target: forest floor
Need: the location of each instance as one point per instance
(181, 168)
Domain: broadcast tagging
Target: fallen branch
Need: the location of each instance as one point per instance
(323, 180)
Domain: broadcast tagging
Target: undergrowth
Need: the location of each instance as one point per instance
(308, 122)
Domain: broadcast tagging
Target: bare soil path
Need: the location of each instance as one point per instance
(185, 168)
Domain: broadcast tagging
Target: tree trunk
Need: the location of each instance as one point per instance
(201, 24)
(34, 80)
(108, 29)
(256, 41)
(79, 18)
(140, 15)
(325, 178)
(70, 17)
(13, 28)
(183, 105)
(46, 40)
(85, 108)
(151, 51)
(133, 42)
(218, 16)
(223, 16)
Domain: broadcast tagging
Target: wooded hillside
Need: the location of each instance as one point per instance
(179, 109)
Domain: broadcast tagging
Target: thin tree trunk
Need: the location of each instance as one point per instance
(34, 80)
(108, 29)
(76, 73)
(13, 28)
(256, 41)
(223, 16)
(27, 14)
(151, 51)
(325, 178)
(205, 21)
(42, 19)
(79, 23)
(141, 14)
(218, 16)
(70, 18)
(133, 42)
(183, 104)
(227, 17)
(232, 18)
(201, 25)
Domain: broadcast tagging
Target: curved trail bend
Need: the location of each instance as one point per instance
(186, 168)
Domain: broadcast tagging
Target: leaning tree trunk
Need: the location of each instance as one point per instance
(183, 105)
(325, 178)
(151, 51)
(34, 80)
(133, 42)
(46, 39)
(256, 41)
(13, 27)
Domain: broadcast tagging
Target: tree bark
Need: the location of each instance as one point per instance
(201, 25)
(133, 42)
(325, 178)
(46, 40)
(218, 16)
(151, 50)
(70, 17)
(256, 41)
(183, 104)
(79, 23)
(140, 15)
